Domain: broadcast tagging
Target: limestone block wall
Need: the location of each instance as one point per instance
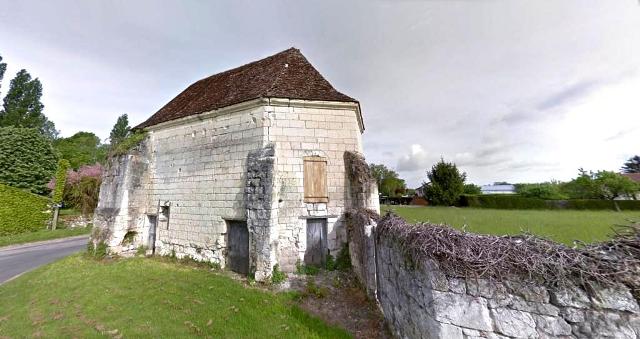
(199, 167)
(121, 204)
(299, 129)
(419, 301)
(196, 177)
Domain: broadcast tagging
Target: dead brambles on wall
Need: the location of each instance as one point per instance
(358, 169)
(525, 257)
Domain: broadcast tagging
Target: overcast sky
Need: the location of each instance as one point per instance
(517, 91)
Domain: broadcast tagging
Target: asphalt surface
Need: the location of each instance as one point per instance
(15, 260)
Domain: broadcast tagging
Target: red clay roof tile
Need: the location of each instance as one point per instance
(287, 74)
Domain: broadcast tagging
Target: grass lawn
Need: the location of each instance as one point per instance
(562, 226)
(139, 297)
(42, 235)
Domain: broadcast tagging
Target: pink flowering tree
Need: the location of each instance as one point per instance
(82, 188)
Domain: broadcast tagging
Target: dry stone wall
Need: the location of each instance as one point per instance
(419, 301)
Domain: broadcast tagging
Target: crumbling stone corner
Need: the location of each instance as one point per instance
(262, 211)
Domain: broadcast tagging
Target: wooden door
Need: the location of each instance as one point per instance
(316, 252)
(153, 224)
(238, 246)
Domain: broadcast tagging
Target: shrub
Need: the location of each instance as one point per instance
(131, 141)
(60, 181)
(547, 191)
(343, 261)
(306, 269)
(21, 211)
(471, 189)
(28, 161)
(277, 276)
(446, 184)
(330, 264)
(82, 188)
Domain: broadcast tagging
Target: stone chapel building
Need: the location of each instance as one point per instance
(245, 168)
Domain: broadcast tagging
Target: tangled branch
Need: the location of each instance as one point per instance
(525, 257)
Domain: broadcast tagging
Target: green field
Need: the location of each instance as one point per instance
(562, 226)
(151, 298)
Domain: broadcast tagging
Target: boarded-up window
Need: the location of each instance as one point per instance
(315, 179)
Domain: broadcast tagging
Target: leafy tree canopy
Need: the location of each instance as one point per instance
(82, 148)
(28, 161)
(120, 130)
(3, 68)
(600, 185)
(472, 189)
(22, 107)
(545, 190)
(389, 183)
(632, 165)
(446, 184)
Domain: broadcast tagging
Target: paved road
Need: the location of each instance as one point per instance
(15, 260)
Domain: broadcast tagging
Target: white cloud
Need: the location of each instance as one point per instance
(510, 91)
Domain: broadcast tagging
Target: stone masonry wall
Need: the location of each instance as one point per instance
(419, 301)
(299, 130)
(198, 174)
(200, 168)
(121, 204)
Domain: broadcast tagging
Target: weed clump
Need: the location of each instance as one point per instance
(277, 276)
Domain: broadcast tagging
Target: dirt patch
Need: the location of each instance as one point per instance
(336, 298)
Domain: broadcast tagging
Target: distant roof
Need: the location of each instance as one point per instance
(287, 74)
(633, 176)
(498, 188)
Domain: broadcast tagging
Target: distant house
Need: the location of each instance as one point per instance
(635, 177)
(498, 189)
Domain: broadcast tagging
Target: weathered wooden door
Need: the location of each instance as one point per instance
(316, 252)
(238, 246)
(153, 224)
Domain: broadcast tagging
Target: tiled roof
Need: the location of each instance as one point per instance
(633, 176)
(287, 74)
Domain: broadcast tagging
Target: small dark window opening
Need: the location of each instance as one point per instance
(164, 214)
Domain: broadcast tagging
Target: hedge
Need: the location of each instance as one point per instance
(27, 159)
(512, 201)
(21, 211)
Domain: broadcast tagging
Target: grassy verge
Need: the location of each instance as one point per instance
(562, 226)
(42, 235)
(81, 297)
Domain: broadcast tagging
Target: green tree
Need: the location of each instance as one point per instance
(446, 184)
(27, 159)
(545, 190)
(600, 185)
(632, 165)
(389, 183)
(22, 107)
(120, 130)
(611, 185)
(82, 148)
(3, 68)
(471, 189)
(61, 179)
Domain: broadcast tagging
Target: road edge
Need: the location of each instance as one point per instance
(42, 242)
